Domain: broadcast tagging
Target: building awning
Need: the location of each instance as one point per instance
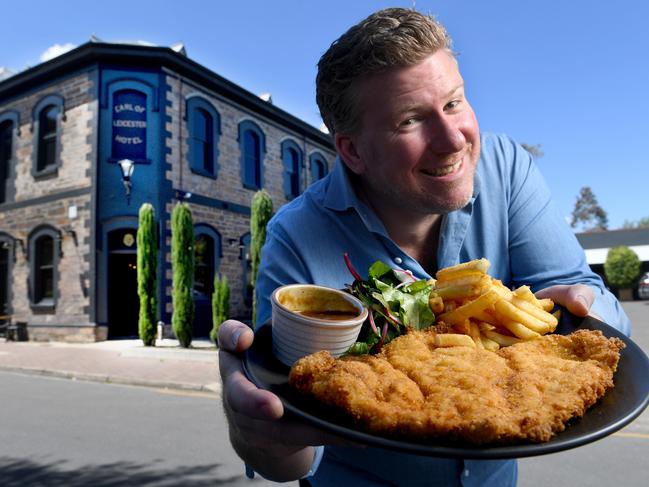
(597, 244)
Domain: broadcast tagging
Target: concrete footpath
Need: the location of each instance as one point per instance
(167, 365)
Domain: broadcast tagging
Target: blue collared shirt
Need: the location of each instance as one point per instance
(510, 220)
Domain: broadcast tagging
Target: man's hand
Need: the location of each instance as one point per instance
(239, 394)
(576, 298)
(274, 446)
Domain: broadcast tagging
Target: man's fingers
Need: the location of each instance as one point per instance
(576, 298)
(235, 336)
(243, 396)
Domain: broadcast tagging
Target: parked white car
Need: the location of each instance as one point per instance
(643, 286)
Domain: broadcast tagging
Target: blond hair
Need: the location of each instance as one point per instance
(388, 38)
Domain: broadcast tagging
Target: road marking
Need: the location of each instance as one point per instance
(632, 435)
(176, 392)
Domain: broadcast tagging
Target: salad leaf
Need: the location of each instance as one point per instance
(378, 269)
(395, 299)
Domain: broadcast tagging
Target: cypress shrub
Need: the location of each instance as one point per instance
(147, 260)
(182, 263)
(220, 305)
(261, 212)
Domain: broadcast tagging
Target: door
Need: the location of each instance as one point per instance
(123, 301)
(4, 280)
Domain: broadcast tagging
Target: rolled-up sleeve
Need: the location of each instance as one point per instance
(543, 248)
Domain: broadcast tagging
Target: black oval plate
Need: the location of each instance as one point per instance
(617, 408)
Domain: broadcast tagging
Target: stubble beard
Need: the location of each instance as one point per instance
(420, 202)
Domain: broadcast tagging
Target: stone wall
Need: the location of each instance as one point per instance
(228, 186)
(48, 201)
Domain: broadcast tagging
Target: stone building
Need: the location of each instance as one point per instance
(68, 215)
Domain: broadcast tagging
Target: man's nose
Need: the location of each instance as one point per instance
(446, 136)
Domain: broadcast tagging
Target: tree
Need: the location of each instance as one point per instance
(641, 223)
(535, 150)
(147, 260)
(588, 212)
(261, 211)
(622, 267)
(182, 264)
(220, 305)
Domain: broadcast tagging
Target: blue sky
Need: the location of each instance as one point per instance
(570, 75)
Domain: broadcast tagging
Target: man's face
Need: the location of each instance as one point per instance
(418, 142)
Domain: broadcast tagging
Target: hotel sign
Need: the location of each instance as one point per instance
(129, 125)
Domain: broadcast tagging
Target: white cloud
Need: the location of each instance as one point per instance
(6, 73)
(323, 128)
(56, 50)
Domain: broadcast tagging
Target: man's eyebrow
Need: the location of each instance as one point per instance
(406, 107)
(455, 90)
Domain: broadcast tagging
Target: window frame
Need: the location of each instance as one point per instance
(11, 118)
(45, 102)
(246, 174)
(217, 254)
(317, 160)
(8, 243)
(193, 105)
(290, 174)
(44, 305)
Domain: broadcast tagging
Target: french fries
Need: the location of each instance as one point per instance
(454, 340)
(484, 311)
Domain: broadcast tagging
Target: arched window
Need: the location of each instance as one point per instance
(44, 254)
(292, 159)
(252, 144)
(43, 268)
(7, 257)
(318, 164)
(46, 122)
(6, 157)
(204, 126)
(47, 134)
(207, 254)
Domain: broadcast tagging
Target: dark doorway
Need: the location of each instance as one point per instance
(4, 280)
(123, 301)
(203, 284)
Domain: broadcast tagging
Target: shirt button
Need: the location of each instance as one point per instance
(398, 260)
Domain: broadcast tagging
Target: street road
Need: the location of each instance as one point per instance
(63, 433)
(619, 460)
(58, 432)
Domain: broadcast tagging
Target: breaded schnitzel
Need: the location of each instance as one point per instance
(412, 389)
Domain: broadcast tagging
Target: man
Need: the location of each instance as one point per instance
(415, 186)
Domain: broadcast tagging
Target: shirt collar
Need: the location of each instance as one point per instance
(340, 194)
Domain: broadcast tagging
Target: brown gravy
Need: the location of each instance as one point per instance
(328, 315)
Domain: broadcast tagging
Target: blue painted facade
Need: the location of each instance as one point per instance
(114, 210)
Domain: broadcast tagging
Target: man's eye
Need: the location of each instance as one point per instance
(408, 121)
(452, 104)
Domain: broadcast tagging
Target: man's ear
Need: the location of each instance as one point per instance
(347, 148)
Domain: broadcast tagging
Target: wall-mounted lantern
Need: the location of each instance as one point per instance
(127, 166)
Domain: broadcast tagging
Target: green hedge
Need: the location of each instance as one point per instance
(147, 260)
(182, 263)
(622, 267)
(220, 305)
(261, 212)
